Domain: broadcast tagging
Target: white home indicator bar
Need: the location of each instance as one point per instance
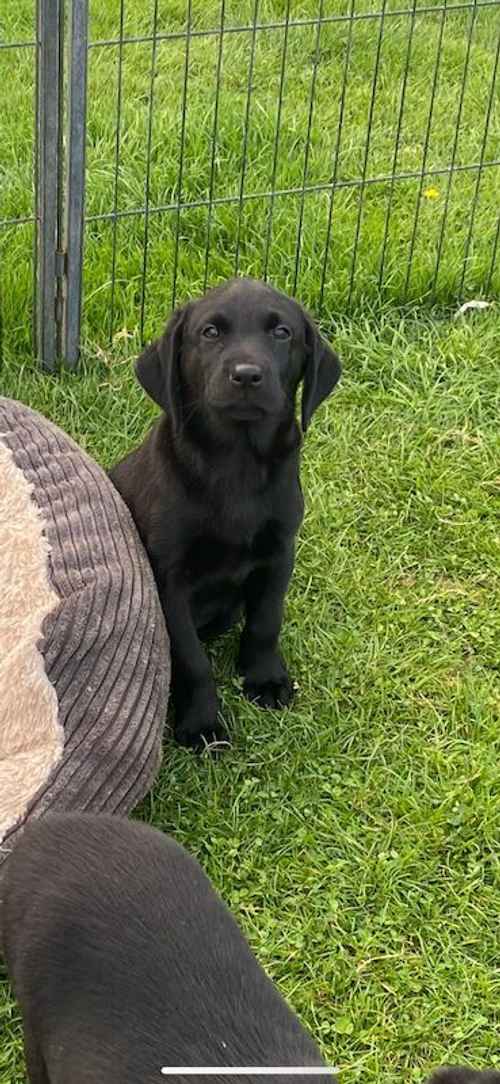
(250, 1070)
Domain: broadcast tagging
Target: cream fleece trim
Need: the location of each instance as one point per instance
(31, 738)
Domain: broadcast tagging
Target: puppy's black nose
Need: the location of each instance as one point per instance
(247, 376)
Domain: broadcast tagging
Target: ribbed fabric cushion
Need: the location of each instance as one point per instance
(104, 646)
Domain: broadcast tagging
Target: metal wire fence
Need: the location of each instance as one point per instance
(348, 152)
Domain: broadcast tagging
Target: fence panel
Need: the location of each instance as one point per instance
(346, 149)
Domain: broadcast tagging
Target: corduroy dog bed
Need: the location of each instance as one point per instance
(84, 654)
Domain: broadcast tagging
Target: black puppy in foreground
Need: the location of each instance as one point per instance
(124, 960)
(214, 489)
(461, 1074)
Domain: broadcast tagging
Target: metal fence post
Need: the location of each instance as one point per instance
(49, 196)
(75, 180)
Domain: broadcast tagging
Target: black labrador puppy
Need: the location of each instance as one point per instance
(215, 490)
(461, 1074)
(124, 960)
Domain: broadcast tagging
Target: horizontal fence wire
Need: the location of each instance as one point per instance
(325, 20)
(327, 186)
(18, 45)
(18, 221)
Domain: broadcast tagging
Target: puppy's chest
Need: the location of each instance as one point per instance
(231, 554)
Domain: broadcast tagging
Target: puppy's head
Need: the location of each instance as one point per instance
(240, 352)
(461, 1074)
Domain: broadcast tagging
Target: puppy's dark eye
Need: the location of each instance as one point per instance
(210, 332)
(281, 332)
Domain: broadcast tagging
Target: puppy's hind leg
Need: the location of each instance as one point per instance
(194, 694)
(37, 1073)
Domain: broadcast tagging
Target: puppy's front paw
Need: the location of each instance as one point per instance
(197, 725)
(267, 683)
(269, 694)
(209, 737)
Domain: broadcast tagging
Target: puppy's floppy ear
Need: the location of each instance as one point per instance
(158, 368)
(321, 374)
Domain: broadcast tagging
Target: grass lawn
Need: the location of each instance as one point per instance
(357, 835)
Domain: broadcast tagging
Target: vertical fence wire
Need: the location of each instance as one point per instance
(336, 157)
(397, 141)
(276, 144)
(479, 177)
(425, 152)
(491, 270)
(180, 177)
(116, 172)
(307, 147)
(369, 129)
(215, 133)
(246, 131)
(458, 124)
(147, 182)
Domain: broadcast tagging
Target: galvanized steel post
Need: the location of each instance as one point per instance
(75, 182)
(49, 193)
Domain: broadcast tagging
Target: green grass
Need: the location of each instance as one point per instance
(356, 836)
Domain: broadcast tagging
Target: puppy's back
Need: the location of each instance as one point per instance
(461, 1074)
(124, 959)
